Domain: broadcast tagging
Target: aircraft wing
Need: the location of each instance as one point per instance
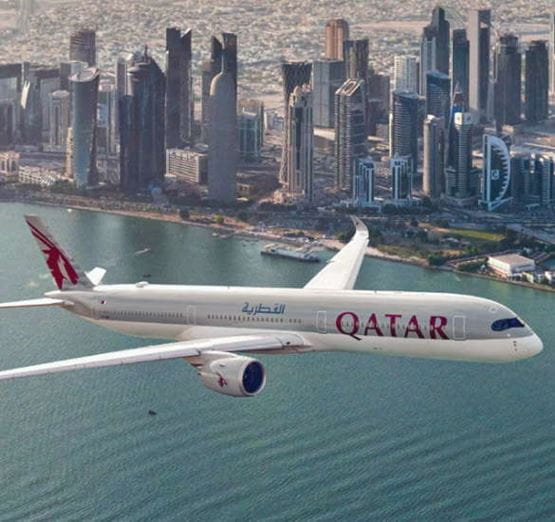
(161, 352)
(342, 270)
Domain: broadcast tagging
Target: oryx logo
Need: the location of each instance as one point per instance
(221, 380)
(59, 264)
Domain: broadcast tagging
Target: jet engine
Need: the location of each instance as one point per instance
(233, 375)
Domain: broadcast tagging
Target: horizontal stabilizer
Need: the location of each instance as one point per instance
(96, 275)
(33, 303)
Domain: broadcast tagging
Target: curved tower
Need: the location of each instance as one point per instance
(223, 139)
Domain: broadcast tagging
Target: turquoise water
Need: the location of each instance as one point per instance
(332, 437)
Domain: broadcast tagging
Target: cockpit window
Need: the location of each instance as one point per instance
(505, 324)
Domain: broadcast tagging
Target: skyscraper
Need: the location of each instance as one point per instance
(327, 77)
(300, 143)
(496, 172)
(210, 69)
(461, 58)
(479, 27)
(442, 30)
(459, 163)
(355, 54)
(363, 182)
(59, 119)
(223, 135)
(82, 46)
(11, 85)
(337, 31)
(401, 178)
(179, 88)
(404, 126)
(507, 82)
(433, 180)
(350, 130)
(84, 88)
(405, 74)
(249, 135)
(536, 95)
(551, 48)
(438, 95)
(434, 47)
(107, 122)
(141, 116)
(124, 62)
(293, 74)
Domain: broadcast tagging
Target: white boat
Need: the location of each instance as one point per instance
(289, 253)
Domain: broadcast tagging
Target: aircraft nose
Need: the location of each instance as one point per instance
(534, 345)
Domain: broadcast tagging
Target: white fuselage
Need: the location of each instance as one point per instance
(432, 325)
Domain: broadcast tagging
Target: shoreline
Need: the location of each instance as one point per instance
(332, 245)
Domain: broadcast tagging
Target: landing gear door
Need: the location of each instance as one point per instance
(459, 327)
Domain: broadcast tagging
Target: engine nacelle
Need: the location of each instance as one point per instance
(233, 375)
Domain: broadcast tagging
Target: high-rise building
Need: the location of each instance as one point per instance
(141, 117)
(124, 62)
(249, 135)
(438, 95)
(363, 182)
(255, 107)
(479, 27)
(401, 177)
(403, 129)
(107, 118)
(459, 157)
(210, 69)
(496, 172)
(536, 87)
(434, 47)
(327, 77)
(8, 123)
(84, 88)
(405, 74)
(379, 94)
(337, 31)
(433, 179)
(442, 29)
(11, 83)
(350, 130)
(507, 82)
(82, 46)
(68, 69)
(461, 59)
(355, 54)
(223, 136)
(533, 178)
(179, 88)
(38, 84)
(300, 144)
(293, 74)
(551, 48)
(60, 109)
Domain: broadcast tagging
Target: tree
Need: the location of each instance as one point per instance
(219, 219)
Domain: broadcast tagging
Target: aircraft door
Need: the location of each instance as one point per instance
(321, 322)
(191, 315)
(459, 327)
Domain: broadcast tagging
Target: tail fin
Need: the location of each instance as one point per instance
(65, 272)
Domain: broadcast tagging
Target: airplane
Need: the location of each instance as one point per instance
(217, 329)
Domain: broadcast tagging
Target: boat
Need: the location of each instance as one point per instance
(289, 253)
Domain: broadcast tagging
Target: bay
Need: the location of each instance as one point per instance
(332, 437)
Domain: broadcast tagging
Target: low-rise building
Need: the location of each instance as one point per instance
(188, 165)
(511, 265)
(9, 163)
